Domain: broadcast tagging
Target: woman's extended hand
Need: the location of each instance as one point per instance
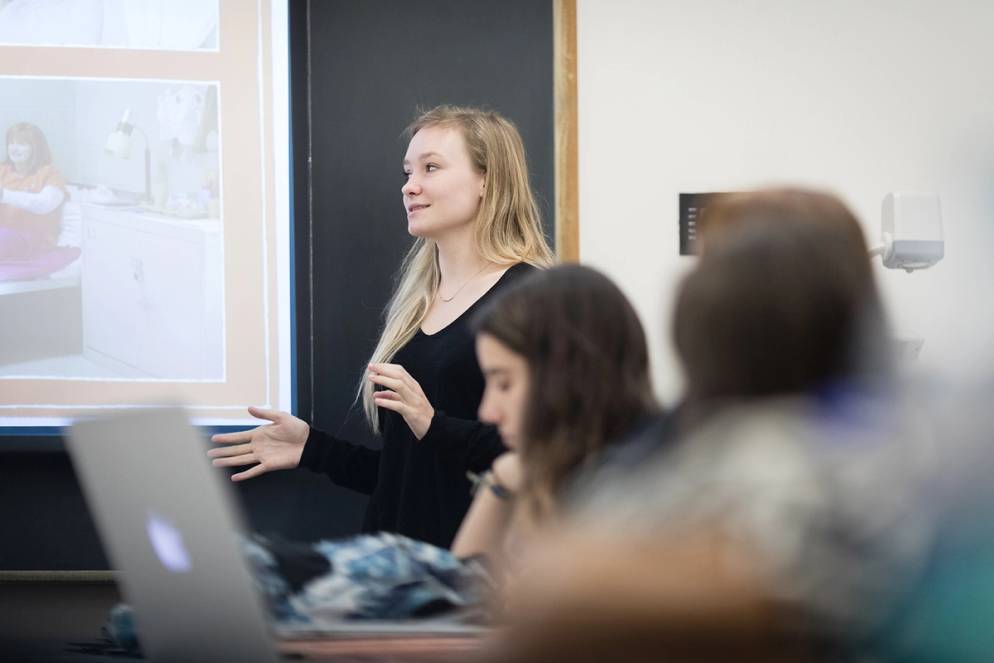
(403, 395)
(275, 446)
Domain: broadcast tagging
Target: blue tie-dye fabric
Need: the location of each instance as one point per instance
(376, 576)
(372, 577)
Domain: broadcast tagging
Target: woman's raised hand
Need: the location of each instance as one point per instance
(275, 446)
(403, 395)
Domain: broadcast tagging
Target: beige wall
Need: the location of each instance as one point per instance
(859, 98)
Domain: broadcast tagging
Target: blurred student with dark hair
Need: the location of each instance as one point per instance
(783, 302)
(777, 525)
(567, 374)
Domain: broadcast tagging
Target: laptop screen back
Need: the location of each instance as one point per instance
(168, 521)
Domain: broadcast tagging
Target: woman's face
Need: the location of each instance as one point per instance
(506, 392)
(19, 152)
(443, 190)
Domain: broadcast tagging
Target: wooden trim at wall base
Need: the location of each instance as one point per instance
(101, 577)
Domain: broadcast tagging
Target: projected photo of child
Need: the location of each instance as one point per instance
(111, 258)
(32, 194)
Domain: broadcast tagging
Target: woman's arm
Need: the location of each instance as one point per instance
(288, 442)
(472, 444)
(485, 527)
(352, 466)
(45, 201)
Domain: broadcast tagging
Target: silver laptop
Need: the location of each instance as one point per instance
(170, 525)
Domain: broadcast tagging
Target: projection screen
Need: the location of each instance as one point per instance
(145, 208)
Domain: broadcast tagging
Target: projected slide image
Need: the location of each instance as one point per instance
(144, 208)
(110, 231)
(139, 24)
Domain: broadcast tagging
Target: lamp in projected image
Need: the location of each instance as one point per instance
(119, 145)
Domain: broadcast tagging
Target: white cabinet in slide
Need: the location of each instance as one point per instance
(152, 294)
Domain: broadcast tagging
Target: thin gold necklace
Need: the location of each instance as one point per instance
(487, 264)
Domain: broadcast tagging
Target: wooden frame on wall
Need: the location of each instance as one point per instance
(567, 208)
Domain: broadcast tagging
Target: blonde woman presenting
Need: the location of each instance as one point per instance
(476, 226)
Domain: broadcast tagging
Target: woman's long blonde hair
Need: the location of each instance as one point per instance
(508, 227)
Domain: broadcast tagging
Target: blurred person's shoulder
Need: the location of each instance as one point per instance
(652, 434)
(647, 440)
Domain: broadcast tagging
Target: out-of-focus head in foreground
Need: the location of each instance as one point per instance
(797, 518)
(783, 301)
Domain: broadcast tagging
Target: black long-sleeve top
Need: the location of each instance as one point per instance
(419, 488)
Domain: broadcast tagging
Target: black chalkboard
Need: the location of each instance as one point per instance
(359, 69)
